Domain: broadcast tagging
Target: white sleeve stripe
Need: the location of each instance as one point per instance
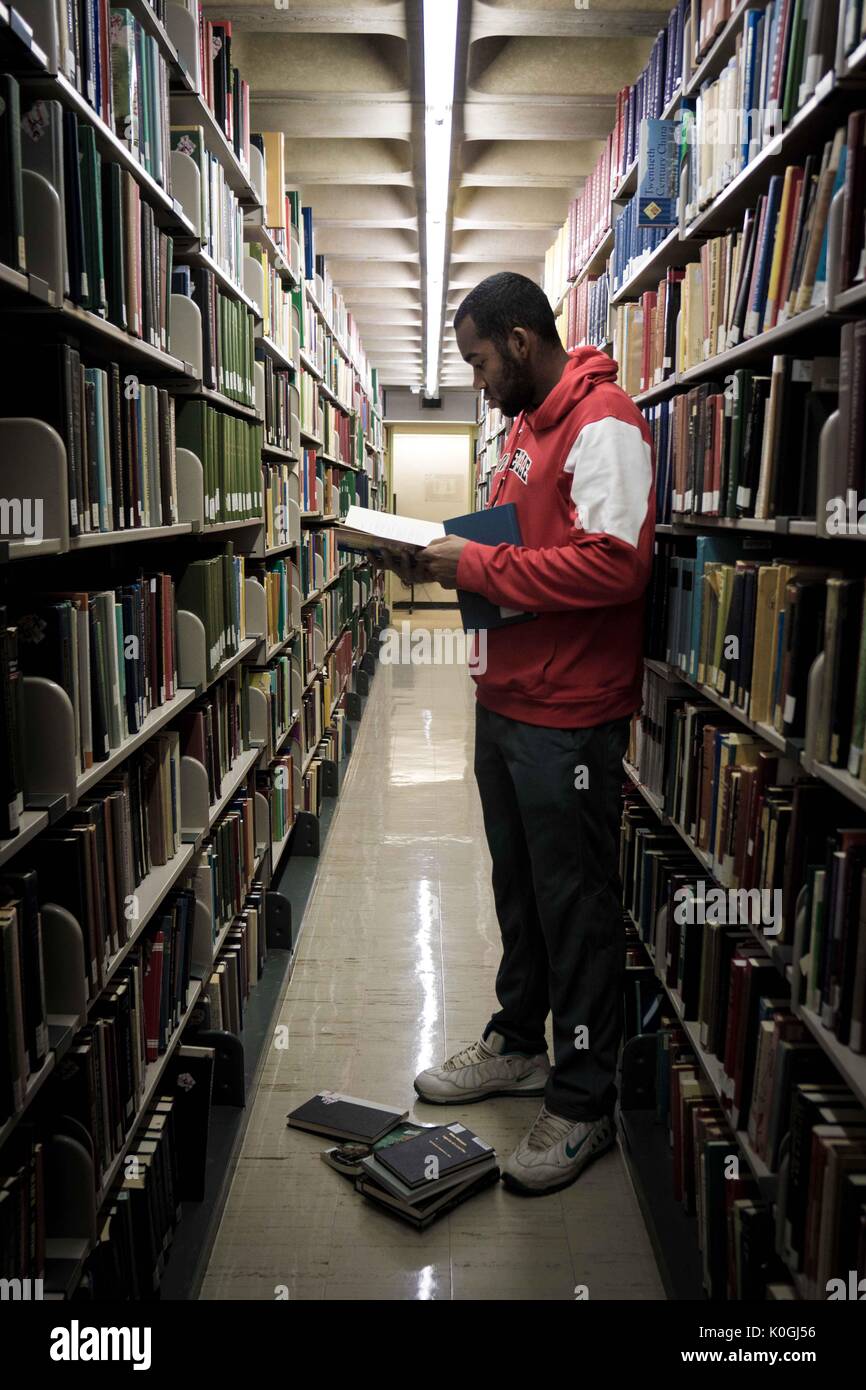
(611, 464)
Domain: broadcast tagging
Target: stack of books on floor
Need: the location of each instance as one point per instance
(417, 1172)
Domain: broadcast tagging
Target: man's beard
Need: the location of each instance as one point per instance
(516, 391)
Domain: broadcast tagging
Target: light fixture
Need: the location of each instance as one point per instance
(440, 57)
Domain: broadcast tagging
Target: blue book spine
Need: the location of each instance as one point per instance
(751, 68)
(819, 290)
(755, 316)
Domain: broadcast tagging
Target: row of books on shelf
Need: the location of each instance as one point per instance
(319, 559)
(584, 316)
(710, 1178)
(215, 730)
(751, 631)
(228, 334)
(165, 1165)
(113, 651)
(118, 434)
(586, 225)
(219, 217)
(633, 243)
(750, 448)
(785, 853)
(278, 306)
(750, 1247)
(319, 482)
(281, 403)
(278, 578)
(118, 68)
(282, 493)
(733, 1051)
(93, 863)
(309, 410)
(780, 55)
(280, 685)
(744, 284)
(277, 785)
(651, 93)
(229, 449)
(116, 261)
(589, 215)
(213, 588)
(220, 85)
(337, 433)
(225, 866)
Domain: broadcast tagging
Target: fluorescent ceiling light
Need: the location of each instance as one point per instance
(440, 57)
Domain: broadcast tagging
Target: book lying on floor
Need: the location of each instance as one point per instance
(345, 1117)
(346, 1158)
(442, 1157)
(423, 1214)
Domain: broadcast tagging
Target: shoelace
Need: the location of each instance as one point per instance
(548, 1130)
(468, 1057)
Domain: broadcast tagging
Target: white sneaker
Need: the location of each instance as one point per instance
(481, 1070)
(555, 1152)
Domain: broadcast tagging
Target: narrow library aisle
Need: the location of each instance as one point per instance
(395, 969)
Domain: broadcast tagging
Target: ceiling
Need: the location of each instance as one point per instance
(534, 98)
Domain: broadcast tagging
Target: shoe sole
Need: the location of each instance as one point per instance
(514, 1184)
(474, 1098)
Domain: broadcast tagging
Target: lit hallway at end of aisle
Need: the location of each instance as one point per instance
(395, 970)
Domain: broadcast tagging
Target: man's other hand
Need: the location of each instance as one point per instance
(439, 561)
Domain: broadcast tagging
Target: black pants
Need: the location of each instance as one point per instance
(551, 803)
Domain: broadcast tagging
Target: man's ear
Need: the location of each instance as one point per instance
(521, 343)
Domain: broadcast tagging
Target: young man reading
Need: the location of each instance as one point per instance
(553, 710)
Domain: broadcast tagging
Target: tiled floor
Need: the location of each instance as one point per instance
(395, 970)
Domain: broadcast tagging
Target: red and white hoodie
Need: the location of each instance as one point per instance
(580, 471)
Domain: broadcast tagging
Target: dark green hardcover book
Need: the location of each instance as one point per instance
(91, 202)
(113, 244)
(13, 249)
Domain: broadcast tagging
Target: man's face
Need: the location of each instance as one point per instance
(504, 374)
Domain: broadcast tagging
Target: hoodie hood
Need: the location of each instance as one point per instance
(586, 368)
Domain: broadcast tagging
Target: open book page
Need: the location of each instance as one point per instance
(365, 529)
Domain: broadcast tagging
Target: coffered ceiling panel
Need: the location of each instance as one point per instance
(536, 84)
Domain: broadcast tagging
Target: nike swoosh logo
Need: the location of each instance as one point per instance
(572, 1153)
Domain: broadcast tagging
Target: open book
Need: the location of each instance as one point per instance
(366, 529)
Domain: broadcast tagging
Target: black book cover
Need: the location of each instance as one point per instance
(189, 1081)
(12, 244)
(419, 1217)
(753, 437)
(344, 1116)
(23, 887)
(74, 210)
(845, 677)
(450, 1147)
(805, 640)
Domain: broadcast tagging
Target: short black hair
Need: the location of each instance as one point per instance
(506, 301)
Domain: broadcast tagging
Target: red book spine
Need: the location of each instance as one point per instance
(152, 991)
